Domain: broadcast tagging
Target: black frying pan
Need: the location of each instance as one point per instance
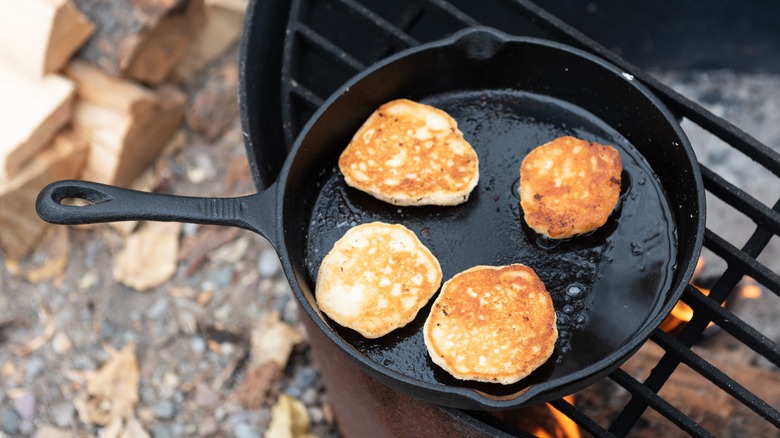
(610, 288)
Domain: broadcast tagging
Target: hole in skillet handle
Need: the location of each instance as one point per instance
(64, 202)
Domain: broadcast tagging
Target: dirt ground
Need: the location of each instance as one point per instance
(64, 315)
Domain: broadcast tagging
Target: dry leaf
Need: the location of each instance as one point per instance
(111, 395)
(47, 431)
(47, 262)
(149, 256)
(38, 341)
(272, 342)
(289, 419)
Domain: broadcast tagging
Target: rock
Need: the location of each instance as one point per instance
(290, 312)
(268, 265)
(163, 410)
(161, 431)
(34, 367)
(208, 426)
(189, 229)
(316, 415)
(62, 414)
(10, 421)
(307, 377)
(293, 391)
(24, 405)
(158, 309)
(61, 343)
(224, 276)
(198, 345)
(243, 430)
(205, 396)
(309, 396)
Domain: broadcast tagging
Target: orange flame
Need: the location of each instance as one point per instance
(565, 426)
(682, 313)
(750, 291)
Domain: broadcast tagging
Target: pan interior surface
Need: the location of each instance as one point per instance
(606, 286)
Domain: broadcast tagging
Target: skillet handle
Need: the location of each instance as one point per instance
(112, 204)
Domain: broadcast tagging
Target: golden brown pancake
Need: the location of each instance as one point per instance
(408, 153)
(569, 186)
(376, 278)
(492, 324)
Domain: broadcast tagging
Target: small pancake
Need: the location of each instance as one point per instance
(376, 278)
(492, 324)
(408, 153)
(569, 186)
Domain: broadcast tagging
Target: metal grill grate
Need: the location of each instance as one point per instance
(320, 53)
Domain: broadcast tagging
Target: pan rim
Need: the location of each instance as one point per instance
(463, 397)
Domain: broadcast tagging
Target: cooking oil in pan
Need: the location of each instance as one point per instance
(604, 285)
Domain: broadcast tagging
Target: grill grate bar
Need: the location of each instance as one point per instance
(693, 329)
(400, 38)
(739, 199)
(718, 377)
(736, 258)
(326, 47)
(308, 97)
(677, 103)
(663, 407)
(452, 13)
(396, 36)
(732, 324)
(582, 420)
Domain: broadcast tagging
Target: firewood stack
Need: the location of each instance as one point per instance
(91, 89)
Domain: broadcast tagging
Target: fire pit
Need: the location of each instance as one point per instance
(315, 45)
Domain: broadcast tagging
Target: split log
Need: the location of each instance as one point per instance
(32, 110)
(126, 124)
(20, 226)
(224, 20)
(215, 107)
(141, 39)
(38, 37)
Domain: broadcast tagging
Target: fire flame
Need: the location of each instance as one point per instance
(565, 427)
(682, 313)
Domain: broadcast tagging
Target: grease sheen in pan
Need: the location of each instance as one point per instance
(604, 285)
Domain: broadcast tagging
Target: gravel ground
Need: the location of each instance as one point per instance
(192, 334)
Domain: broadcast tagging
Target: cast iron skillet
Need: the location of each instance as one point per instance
(508, 94)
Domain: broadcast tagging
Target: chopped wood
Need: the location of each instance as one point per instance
(141, 39)
(127, 124)
(20, 226)
(33, 111)
(224, 19)
(215, 106)
(252, 392)
(37, 37)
